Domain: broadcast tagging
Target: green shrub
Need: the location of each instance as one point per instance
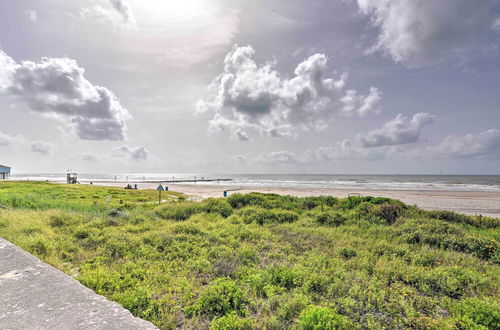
(347, 253)
(291, 308)
(138, 301)
(472, 313)
(238, 201)
(477, 221)
(285, 277)
(40, 247)
(351, 202)
(330, 218)
(179, 211)
(218, 206)
(448, 236)
(221, 297)
(60, 220)
(452, 281)
(321, 318)
(83, 233)
(252, 214)
(114, 213)
(231, 322)
(284, 216)
(390, 212)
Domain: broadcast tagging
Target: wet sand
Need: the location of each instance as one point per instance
(468, 202)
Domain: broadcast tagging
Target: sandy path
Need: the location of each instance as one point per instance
(468, 202)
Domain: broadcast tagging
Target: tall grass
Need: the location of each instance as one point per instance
(266, 261)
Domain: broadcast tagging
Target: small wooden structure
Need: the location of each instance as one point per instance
(72, 178)
(4, 172)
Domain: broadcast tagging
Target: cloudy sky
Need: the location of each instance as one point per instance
(261, 86)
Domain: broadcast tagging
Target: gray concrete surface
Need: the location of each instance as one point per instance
(34, 295)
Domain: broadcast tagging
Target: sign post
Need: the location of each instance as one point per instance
(160, 189)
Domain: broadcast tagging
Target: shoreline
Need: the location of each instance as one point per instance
(467, 202)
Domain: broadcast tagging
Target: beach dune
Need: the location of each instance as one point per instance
(467, 202)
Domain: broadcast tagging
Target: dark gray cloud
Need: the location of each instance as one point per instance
(58, 87)
(41, 147)
(430, 32)
(248, 96)
(124, 10)
(399, 130)
(135, 153)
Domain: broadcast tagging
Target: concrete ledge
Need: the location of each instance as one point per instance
(35, 295)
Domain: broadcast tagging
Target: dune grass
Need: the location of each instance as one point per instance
(86, 198)
(265, 261)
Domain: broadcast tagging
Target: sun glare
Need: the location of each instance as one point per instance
(154, 11)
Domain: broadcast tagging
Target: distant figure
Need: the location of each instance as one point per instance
(135, 186)
(91, 183)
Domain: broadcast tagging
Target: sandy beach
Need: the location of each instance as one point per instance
(468, 202)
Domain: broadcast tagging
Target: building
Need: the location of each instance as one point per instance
(72, 178)
(4, 172)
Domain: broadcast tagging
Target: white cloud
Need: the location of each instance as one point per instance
(7, 140)
(353, 103)
(117, 13)
(278, 157)
(89, 157)
(58, 87)
(429, 32)
(32, 15)
(484, 144)
(136, 153)
(41, 147)
(248, 96)
(496, 25)
(344, 151)
(399, 130)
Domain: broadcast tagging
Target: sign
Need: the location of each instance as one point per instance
(160, 189)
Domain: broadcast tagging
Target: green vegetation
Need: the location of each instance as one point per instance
(262, 260)
(44, 196)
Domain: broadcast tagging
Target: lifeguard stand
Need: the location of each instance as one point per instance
(72, 178)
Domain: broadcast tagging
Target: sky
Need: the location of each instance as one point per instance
(261, 86)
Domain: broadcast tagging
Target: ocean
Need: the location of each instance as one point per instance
(488, 183)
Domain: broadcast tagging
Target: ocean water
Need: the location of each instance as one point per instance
(490, 183)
